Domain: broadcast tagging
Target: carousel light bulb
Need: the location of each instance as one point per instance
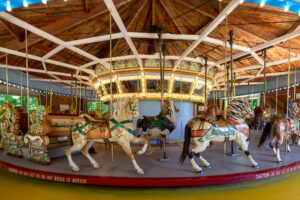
(286, 8)
(25, 4)
(8, 6)
(262, 3)
(44, 2)
(241, 1)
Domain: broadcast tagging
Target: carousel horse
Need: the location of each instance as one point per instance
(283, 128)
(10, 129)
(36, 137)
(262, 115)
(204, 129)
(160, 125)
(119, 129)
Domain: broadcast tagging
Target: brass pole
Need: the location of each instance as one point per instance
(6, 61)
(71, 97)
(21, 86)
(295, 81)
(205, 86)
(288, 90)
(76, 97)
(265, 63)
(51, 92)
(27, 74)
(111, 96)
(231, 64)
(276, 94)
(80, 99)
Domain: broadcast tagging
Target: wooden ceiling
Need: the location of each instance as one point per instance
(77, 19)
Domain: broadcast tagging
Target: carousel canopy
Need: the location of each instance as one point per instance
(73, 37)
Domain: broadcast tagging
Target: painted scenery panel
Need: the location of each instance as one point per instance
(155, 86)
(114, 88)
(132, 86)
(185, 87)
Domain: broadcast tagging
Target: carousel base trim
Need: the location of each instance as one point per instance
(147, 181)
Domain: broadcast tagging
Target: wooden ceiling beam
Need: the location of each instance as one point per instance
(47, 36)
(111, 7)
(12, 30)
(153, 14)
(229, 8)
(62, 25)
(232, 20)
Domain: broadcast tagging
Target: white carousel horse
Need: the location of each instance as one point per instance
(203, 130)
(159, 125)
(120, 128)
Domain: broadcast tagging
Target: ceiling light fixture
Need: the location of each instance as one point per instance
(8, 7)
(25, 3)
(286, 8)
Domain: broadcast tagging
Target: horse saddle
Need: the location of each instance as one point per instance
(157, 120)
(99, 131)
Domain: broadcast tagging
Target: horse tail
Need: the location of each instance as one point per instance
(186, 144)
(266, 133)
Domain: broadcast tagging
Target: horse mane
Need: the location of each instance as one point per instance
(118, 107)
(234, 109)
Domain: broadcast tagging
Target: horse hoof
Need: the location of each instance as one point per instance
(140, 171)
(199, 172)
(255, 166)
(96, 166)
(279, 162)
(208, 167)
(75, 169)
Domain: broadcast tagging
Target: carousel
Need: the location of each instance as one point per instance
(149, 92)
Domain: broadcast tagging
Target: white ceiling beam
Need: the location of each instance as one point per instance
(53, 52)
(229, 8)
(101, 38)
(110, 5)
(47, 36)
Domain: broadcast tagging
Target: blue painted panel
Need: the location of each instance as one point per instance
(151, 108)
(17, 3)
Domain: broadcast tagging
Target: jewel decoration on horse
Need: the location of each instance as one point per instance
(36, 137)
(118, 129)
(10, 129)
(204, 129)
(282, 129)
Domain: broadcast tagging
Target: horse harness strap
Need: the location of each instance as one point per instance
(79, 128)
(121, 124)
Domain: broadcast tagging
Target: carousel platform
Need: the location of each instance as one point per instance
(121, 172)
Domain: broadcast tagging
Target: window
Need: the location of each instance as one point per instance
(16, 101)
(95, 105)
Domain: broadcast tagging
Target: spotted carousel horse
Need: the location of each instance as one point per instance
(282, 128)
(118, 129)
(159, 125)
(10, 129)
(204, 129)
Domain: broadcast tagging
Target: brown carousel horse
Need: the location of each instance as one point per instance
(204, 129)
(262, 115)
(4, 111)
(283, 128)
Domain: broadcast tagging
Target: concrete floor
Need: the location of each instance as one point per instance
(154, 168)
